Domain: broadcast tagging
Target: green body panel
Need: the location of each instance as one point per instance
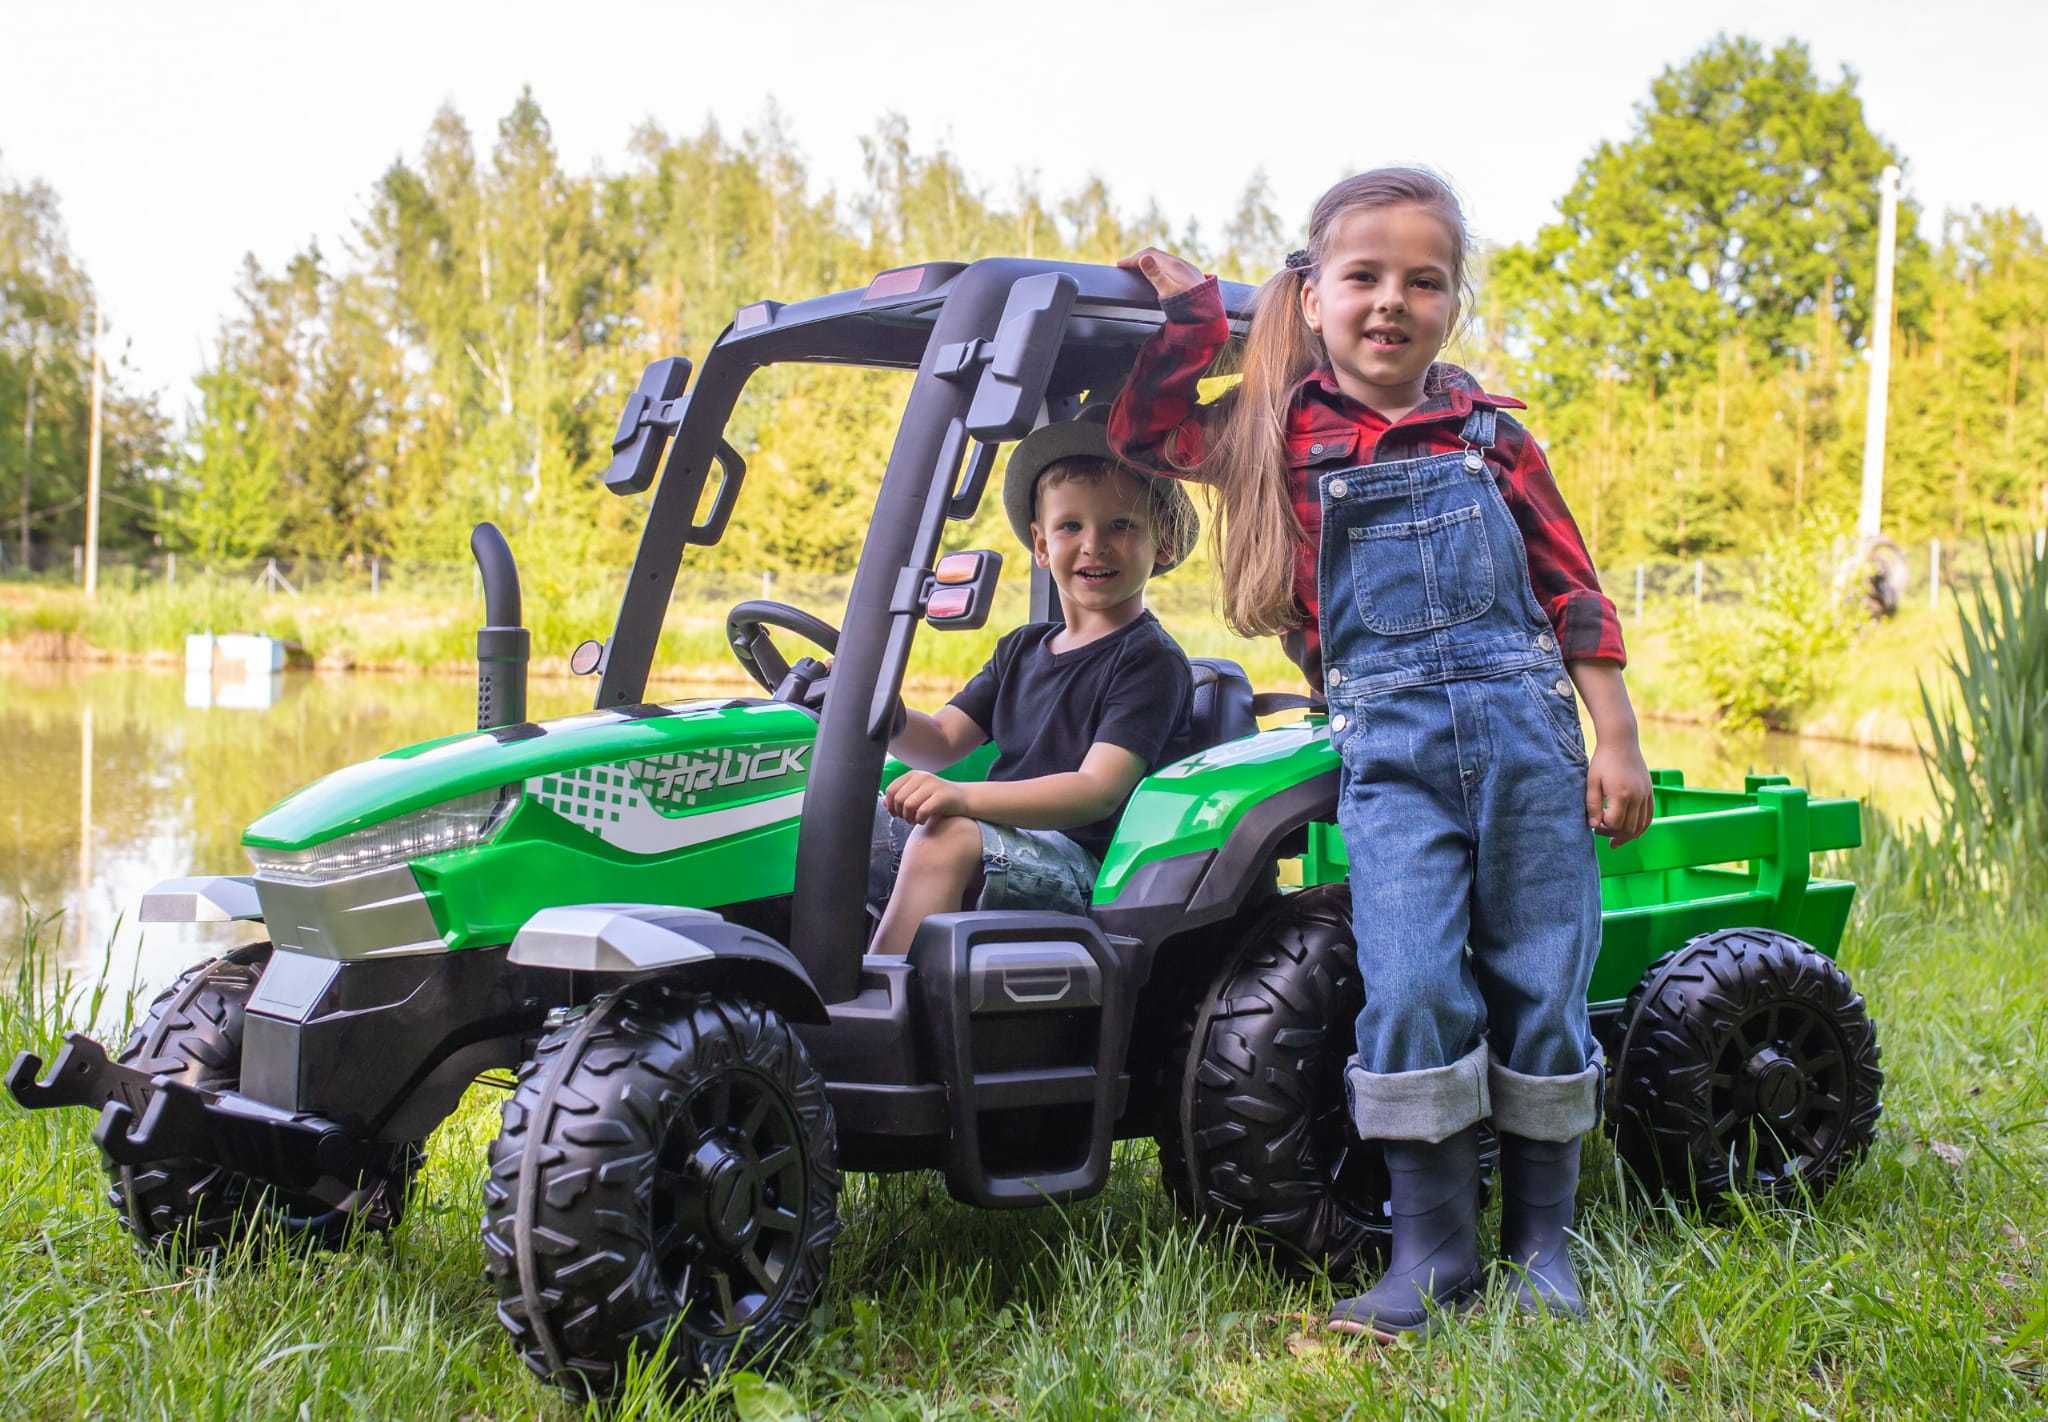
(373, 791)
(1193, 805)
(1710, 859)
(698, 809)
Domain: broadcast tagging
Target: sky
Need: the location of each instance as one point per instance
(179, 137)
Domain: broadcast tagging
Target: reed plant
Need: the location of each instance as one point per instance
(1986, 747)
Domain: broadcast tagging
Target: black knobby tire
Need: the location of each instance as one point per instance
(1749, 1064)
(666, 1163)
(193, 1031)
(1256, 1129)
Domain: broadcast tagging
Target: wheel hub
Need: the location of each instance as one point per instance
(732, 1192)
(1776, 1085)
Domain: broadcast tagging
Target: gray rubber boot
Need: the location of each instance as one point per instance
(1435, 1199)
(1538, 1180)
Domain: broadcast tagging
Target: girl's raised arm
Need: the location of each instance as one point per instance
(1157, 422)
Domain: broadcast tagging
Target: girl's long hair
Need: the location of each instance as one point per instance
(1257, 533)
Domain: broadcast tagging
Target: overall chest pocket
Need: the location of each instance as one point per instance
(1424, 574)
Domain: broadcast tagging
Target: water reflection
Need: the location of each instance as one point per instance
(114, 781)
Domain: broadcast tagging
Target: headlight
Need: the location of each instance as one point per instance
(453, 824)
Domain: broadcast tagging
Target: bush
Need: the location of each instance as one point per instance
(1763, 662)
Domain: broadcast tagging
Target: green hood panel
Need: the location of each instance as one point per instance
(1194, 804)
(749, 752)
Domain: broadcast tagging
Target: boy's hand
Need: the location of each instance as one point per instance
(1169, 275)
(1618, 799)
(920, 797)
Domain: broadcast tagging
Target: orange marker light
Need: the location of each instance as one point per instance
(950, 602)
(901, 282)
(958, 568)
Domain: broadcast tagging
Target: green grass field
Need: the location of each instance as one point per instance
(1914, 1289)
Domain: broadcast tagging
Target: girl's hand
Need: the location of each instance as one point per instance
(921, 797)
(1618, 800)
(1169, 275)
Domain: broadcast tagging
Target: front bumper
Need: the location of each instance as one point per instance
(149, 1119)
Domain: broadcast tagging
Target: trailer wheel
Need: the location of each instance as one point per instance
(665, 1171)
(1749, 1064)
(193, 1030)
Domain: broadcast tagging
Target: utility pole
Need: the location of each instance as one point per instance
(28, 442)
(1869, 522)
(92, 467)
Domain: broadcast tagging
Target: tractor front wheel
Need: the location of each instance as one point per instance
(1748, 1064)
(193, 1032)
(665, 1172)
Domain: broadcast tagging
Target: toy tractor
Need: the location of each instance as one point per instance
(654, 912)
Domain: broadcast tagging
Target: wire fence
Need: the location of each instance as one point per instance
(1926, 574)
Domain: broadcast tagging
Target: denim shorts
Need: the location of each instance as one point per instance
(1020, 868)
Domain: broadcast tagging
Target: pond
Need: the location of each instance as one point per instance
(117, 779)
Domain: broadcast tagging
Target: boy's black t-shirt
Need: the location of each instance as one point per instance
(1044, 709)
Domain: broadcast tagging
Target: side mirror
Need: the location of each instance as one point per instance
(1027, 341)
(651, 415)
(963, 589)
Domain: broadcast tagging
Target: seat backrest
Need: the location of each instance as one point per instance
(1223, 703)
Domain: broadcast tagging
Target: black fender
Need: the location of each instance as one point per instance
(691, 947)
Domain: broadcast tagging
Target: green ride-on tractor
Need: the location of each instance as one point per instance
(655, 913)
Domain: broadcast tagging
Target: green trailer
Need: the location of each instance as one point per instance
(654, 913)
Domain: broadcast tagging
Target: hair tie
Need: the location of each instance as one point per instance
(1297, 260)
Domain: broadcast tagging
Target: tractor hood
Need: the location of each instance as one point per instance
(417, 777)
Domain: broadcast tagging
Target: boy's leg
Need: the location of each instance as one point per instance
(940, 862)
(1535, 937)
(1419, 1081)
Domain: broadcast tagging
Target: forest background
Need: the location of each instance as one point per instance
(1689, 330)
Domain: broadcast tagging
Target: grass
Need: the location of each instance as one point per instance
(1915, 1288)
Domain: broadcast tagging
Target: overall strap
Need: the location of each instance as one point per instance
(1477, 431)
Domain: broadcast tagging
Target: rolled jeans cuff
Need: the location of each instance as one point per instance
(1427, 1105)
(1545, 1108)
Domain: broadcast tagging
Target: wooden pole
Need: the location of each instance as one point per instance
(92, 467)
(1870, 520)
(28, 442)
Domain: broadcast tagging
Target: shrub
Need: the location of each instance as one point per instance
(1764, 661)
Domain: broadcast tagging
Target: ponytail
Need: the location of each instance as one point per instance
(1257, 534)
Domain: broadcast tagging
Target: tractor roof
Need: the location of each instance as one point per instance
(888, 322)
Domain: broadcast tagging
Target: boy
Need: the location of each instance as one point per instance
(1080, 709)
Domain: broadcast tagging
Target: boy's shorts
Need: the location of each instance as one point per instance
(1020, 868)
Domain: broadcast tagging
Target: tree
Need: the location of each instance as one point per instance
(1744, 202)
(229, 512)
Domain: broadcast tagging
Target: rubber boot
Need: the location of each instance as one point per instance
(1435, 1200)
(1538, 1180)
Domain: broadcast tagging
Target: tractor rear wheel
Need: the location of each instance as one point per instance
(1257, 1131)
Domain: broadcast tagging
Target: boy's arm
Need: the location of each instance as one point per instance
(934, 741)
(1157, 422)
(1077, 797)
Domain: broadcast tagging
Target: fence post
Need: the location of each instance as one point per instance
(1699, 582)
(767, 586)
(376, 568)
(77, 564)
(171, 570)
(1934, 575)
(2041, 543)
(1639, 592)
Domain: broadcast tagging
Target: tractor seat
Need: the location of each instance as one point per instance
(1223, 703)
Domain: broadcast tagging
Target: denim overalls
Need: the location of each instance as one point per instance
(1461, 800)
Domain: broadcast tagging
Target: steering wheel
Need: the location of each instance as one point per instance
(746, 632)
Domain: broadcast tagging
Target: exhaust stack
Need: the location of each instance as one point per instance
(502, 645)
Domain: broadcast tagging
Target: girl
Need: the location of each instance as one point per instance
(1403, 534)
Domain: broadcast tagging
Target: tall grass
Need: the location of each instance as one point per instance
(1986, 749)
